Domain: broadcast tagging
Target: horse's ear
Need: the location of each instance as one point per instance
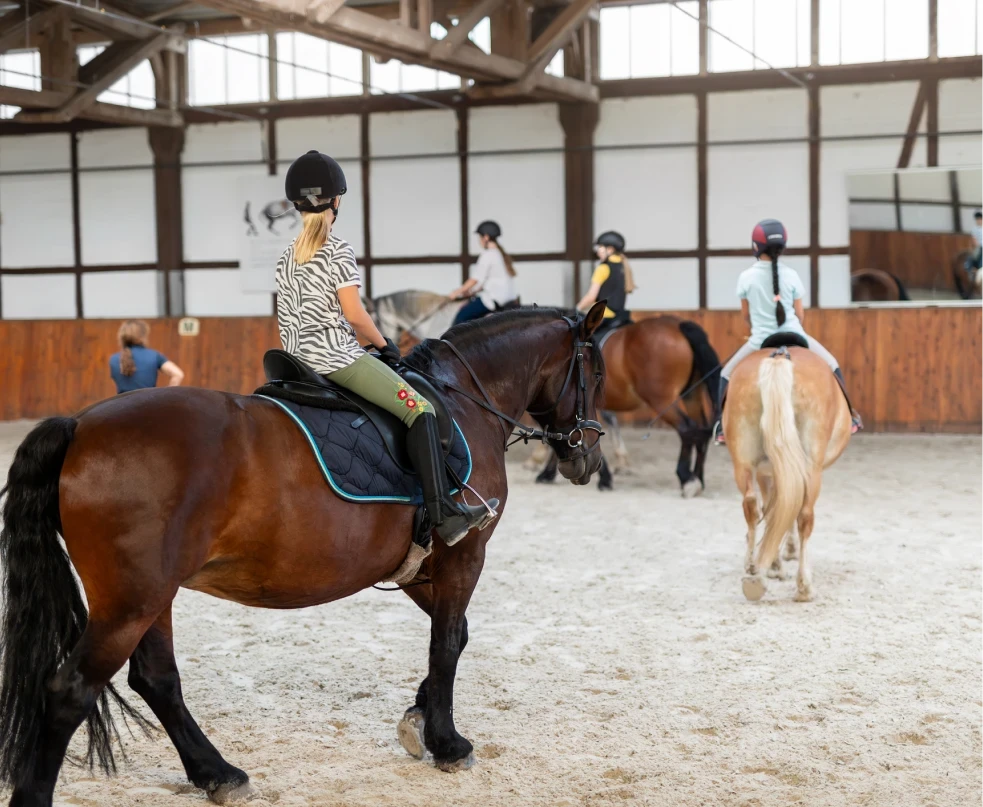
(594, 318)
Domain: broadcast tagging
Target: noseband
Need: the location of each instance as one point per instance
(573, 438)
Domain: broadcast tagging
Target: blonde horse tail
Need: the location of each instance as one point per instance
(783, 447)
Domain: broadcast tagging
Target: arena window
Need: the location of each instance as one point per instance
(228, 70)
(775, 31)
(19, 69)
(652, 39)
(960, 27)
(136, 88)
(854, 31)
(395, 76)
(310, 67)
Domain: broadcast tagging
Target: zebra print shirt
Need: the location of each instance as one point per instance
(312, 325)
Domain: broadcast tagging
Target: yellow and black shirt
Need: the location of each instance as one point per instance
(611, 276)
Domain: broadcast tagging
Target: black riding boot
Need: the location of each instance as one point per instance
(452, 519)
(856, 423)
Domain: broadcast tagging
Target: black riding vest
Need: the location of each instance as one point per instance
(613, 289)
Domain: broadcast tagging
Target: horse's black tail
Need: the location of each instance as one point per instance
(902, 291)
(706, 362)
(44, 614)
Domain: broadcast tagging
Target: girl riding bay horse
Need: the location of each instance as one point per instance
(220, 493)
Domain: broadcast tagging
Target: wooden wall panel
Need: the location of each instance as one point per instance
(908, 369)
(920, 260)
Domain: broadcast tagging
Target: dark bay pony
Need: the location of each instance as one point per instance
(876, 285)
(651, 363)
(177, 487)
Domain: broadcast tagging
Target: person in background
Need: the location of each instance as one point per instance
(771, 302)
(136, 365)
(977, 259)
(493, 283)
(612, 281)
(322, 322)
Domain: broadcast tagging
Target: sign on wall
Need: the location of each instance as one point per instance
(269, 224)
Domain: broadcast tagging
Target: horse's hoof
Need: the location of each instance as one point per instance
(605, 486)
(692, 488)
(230, 793)
(543, 479)
(777, 574)
(803, 595)
(458, 765)
(754, 588)
(410, 731)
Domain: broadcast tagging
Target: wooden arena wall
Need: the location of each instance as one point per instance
(908, 369)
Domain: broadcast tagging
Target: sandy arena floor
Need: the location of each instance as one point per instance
(613, 659)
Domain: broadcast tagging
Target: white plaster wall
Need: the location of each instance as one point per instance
(665, 284)
(216, 292)
(960, 110)
(439, 278)
(120, 294)
(38, 296)
(834, 281)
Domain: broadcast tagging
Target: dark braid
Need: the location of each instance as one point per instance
(773, 253)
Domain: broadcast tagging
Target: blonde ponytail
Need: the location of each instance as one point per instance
(314, 235)
(629, 277)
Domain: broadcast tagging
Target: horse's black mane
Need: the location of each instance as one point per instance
(423, 356)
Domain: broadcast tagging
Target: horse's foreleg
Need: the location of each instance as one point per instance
(154, 676)
(548, 474)
(621, 462)
(701, 446)
(605, 482)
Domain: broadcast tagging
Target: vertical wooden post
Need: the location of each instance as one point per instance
(897, 202)
(167, 143)
(510, 27)
(579, 122)
(59, 60)
(933, 30)
(932, 121)
(76, 223)
(704, 37)
(957, 217)
(814, 33)
(364, 152)
(701, 193)
(814, 158)
(463, 136)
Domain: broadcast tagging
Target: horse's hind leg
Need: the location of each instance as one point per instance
(805, 524)
(154, 676)
(777, 570)
(691, 486)
(73, 693)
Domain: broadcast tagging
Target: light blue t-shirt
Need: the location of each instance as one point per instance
(755, 286)
(147, 362)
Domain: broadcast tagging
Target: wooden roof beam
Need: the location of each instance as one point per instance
(21, 28)
(116, 23)
(106, 113)
(458, 35)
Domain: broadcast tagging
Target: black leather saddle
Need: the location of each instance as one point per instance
(785, 339)
(289, 378)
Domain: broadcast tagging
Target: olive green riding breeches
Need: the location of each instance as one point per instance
(377, 382)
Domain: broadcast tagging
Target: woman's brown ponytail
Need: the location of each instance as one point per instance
(779, 308)
(509, 266)
(132, 333)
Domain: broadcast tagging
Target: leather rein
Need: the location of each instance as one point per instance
(520, 431)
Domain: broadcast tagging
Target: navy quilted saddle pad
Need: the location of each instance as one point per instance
(354, 459)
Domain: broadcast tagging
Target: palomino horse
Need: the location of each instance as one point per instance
(176, 487)
(876, 285)
(786, 419)
(652, 363)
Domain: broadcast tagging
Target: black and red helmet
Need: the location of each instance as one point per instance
(768, 235)
(313, 180)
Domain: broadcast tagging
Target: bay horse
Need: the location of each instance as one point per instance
(786, 420)
(969, 285)
(652, 363)
(876, 285)
(177, 487)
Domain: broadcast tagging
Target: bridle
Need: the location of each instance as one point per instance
(524, 433)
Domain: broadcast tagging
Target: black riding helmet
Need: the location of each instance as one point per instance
(491, 229)
(313, 180)
(767, 236)
(611, 239)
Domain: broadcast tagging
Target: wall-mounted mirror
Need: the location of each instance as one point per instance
(915, 235)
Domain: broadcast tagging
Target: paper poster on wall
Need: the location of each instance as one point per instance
(269, 224)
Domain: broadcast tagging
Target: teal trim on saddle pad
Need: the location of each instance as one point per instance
(365, 498)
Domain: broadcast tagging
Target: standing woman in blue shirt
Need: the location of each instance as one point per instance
(136, 365)
(771, 302)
